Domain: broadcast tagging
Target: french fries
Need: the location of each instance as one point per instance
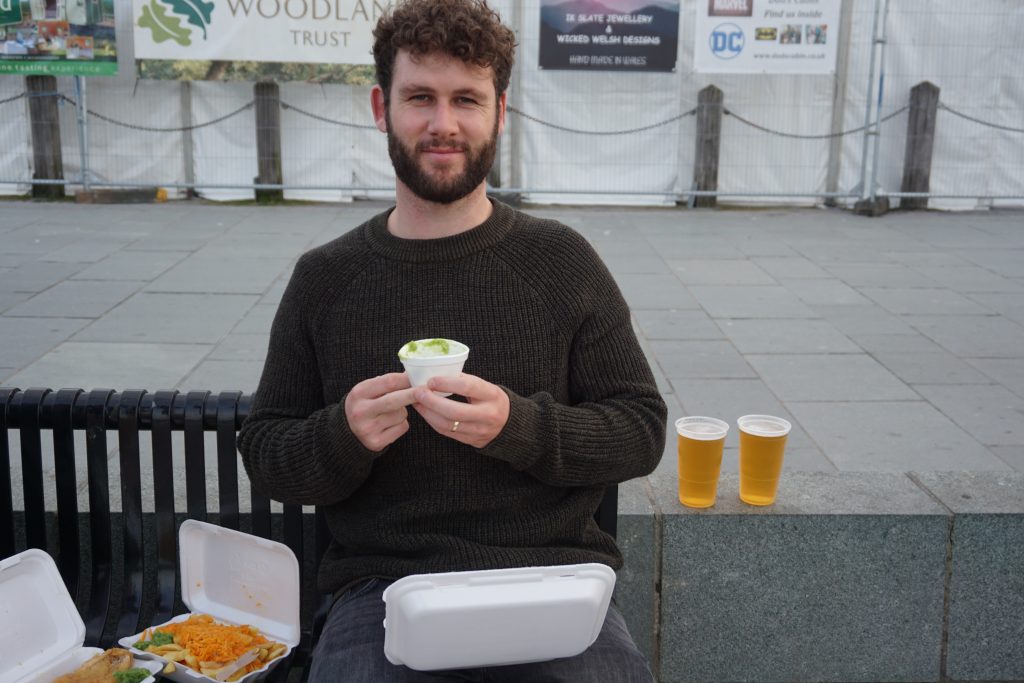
(219, 651)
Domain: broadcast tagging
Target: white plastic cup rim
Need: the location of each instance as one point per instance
(702, 428)
(764, 425)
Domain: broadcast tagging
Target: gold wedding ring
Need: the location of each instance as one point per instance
(455, 426)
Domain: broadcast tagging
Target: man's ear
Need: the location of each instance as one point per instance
(502, 101)
(379, 108)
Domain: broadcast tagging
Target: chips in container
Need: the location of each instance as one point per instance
(237, 579)
(495, 617)
(41, 632)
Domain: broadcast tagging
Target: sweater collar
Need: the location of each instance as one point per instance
(483, 236)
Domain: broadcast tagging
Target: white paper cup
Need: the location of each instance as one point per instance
(422, 369)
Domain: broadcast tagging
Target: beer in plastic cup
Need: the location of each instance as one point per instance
(762, 445)
(701, 440)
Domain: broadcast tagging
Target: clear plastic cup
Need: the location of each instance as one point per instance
(700, 443)
(762, 447)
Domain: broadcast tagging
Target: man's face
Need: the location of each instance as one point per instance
(442, 121)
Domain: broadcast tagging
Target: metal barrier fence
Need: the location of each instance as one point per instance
(840, 137)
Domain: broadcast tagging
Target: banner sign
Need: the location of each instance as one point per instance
(766, 36)
(609, 35)
(304, 31)
(57, 37)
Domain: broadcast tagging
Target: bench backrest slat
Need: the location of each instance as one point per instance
(195, 455)
(6, 492)
(32, 468)
(67, 487)
(227, 458)
(128, 425)
(163, 503)
(101, 550)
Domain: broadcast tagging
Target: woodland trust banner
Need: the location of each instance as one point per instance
(766, 36)
(609, 35)
(307, 31)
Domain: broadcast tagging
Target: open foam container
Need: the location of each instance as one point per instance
(495, 617)
(237, 579)
(41, 632)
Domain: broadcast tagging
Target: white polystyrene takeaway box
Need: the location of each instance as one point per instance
(238, 579)
(41, 632)
(495, 617)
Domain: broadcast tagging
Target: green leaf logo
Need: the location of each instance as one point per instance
(163, 19)
(196, 11)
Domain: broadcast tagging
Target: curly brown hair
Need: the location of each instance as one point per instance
(467, 30)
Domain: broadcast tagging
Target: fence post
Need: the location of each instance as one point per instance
(268, 141)
(917, 159)
(709, 135)
(45, 123)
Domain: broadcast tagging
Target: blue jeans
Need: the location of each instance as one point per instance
(351, 649)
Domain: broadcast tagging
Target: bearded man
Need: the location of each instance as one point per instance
(556, 400)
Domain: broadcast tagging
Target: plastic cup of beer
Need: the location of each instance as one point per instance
(701, 440)
(762, 445)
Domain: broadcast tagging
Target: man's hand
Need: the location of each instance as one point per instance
(475, 423)
(376, 409)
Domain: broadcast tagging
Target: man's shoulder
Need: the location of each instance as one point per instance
(549, 237)
(338, 254)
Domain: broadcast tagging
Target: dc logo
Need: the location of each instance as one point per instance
(726, 41)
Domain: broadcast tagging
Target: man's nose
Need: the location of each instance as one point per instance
(444, 121)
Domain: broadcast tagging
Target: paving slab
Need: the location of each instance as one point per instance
(870, 274)
(1006, 371)
(696, 359)
(163, 318)
(76, 299)
(786, 336)
(1005, 262)
(830, 292)
(923, 301)
(258, 320)
(862, 319)
(1011, 455)
(750, 302)
(23, 340)
(912, 342)
(120, 366)
(829, 377)
(990, 413)
(10, 299)
(131, 265)
(35, 276)
(647, 291)
(241, 346)
(719, 272)
(972, 336)
(622, 264)
(931, 367)
(891, 436)
(88, 250)
(1008, 304)
(694, 246)
(223, 375)
(677, 324)
(791, 268)
(222, 275)
(969, 279)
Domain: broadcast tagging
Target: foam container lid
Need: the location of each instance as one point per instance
(41, 632)
(495, 617)
(240, 578)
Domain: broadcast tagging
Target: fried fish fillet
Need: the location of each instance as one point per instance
(101, 668)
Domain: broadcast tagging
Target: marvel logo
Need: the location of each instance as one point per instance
(730, 8)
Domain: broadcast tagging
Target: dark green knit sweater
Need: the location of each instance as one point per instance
(542, 318)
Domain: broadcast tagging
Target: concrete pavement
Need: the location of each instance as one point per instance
(892, 344)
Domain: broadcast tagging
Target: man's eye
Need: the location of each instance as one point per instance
(466, 100)
(420, 98)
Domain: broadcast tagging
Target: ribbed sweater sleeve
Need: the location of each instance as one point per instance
(293, 445)
(613, 429)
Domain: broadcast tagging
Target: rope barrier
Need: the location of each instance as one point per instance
(285, 105)
(954, 112)
(598, 132)
(813, 137)
(628, 131)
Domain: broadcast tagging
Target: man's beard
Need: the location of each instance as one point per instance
(441, 191)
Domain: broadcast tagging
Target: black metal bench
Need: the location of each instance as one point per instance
(121, 567)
